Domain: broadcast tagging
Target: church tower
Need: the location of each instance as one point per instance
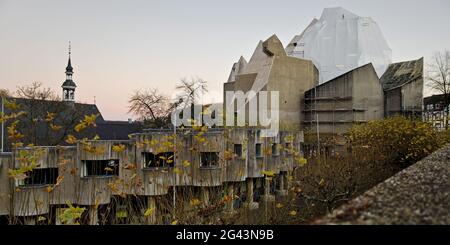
(69, 85)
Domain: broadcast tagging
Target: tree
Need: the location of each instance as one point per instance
(151, 106)
(438, 78)
(190, 90)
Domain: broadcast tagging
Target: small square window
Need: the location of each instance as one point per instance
(162, 159)
(100, 167)
(209, 159)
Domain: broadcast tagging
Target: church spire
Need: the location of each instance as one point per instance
(69, 85)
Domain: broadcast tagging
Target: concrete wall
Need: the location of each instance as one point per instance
(353, 97)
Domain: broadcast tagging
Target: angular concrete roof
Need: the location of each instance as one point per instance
(237, 69)
(401, 73)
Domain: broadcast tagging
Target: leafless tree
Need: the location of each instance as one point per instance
(190, 90)
(35, 91)
(438, 78)
(150, 106)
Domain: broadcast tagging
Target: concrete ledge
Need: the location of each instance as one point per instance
(419, 194)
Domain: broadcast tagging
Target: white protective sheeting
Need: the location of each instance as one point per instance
(341, 41)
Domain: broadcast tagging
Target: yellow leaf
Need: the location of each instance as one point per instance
(71, 139)
(268, 173)
(195, 202)
(149, 212)
(118, 148)
(55, 127)
(186, 163)
(175, 222)
(293, 213)
(279, 205)
(50, 116)
(176, 171)
(41, 218)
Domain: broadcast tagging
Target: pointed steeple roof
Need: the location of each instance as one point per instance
(69, 83)
(69, 67)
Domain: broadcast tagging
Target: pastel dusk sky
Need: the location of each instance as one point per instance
(122, 46)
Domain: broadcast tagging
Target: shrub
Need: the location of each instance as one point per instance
(396, 139)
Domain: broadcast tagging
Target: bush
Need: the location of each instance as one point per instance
(396, 139)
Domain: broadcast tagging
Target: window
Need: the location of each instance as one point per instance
(162, 159)
(100, 167)
(238, 150)
(40, 176)
(275, 151)
(209, 159)
(258, 134)
(258, 150)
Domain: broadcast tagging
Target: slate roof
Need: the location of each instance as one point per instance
(434, 99)
(87, 109)
(117, 130)
(401, 73)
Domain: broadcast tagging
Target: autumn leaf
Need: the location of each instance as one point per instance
(322, 182)
(50, 116)
(130, 166)
(279, 205)
(268, 173)
(293, 213)
(177, 171)
(11, 105)
(71, 139)
(55, 127)
(195, 202)
(149, 212)
(41, 219)
(175, 222)
(301, 161)
(118, 148)
(186, 163)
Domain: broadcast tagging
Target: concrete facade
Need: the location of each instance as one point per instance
(354, 97)
(270, 69)
(80, 179)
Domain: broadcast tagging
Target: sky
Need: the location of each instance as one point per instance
(119, 47)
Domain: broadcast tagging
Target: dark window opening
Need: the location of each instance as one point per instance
(163, 159)
(209, 159)
(41, 176)
(100, 167)
(238, 150)
(275, 151)
(258, 150)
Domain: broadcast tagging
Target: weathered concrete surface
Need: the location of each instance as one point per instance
(420, 194)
